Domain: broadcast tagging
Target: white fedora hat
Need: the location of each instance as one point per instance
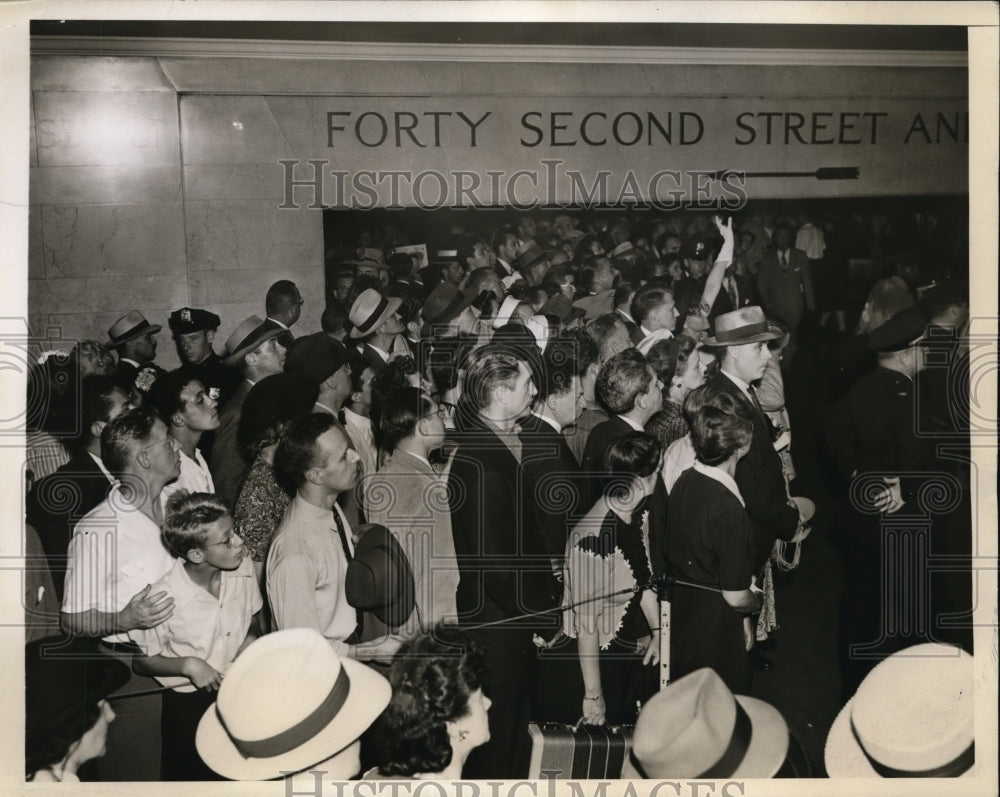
(912, 717)
(288, 702)
(370, 310)
(697, 728)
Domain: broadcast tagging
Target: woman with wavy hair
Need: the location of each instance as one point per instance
(615, 614)
(438, 713)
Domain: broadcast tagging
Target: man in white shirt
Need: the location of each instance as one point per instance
(307, 564)
(654, 311)
(114, 556)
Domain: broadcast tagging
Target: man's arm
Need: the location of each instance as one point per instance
(144, 610)
(196, 670)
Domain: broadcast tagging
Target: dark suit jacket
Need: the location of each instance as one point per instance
(504, 568)
(874, 430)
(746, 294)
(126, 373)
(761, 483)
(786, 293)
(56, 504)
(603, 435)
(553, 480)
(227, 464)
(372, 358)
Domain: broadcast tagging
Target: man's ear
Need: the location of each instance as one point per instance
(210, 335)
(177, 420)
(96, 428)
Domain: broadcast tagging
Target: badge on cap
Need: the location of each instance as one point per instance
(186, 315)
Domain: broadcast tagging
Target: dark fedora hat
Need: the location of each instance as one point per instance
(746, 325)
(274, 399)
(129, 327)
(561, 308)
(316, 358)
(443, 305)
(247, 337)
(531, 254)
(379, 578)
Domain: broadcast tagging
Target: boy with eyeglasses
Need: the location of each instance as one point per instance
(216, 605)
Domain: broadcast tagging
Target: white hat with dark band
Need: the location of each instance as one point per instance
(288, 702)
(912, 717)
(370, 310)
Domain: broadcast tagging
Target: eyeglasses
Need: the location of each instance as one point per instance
(167, 439)
(232, 541)
(442, 412)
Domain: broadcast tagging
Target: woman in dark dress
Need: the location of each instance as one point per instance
(618, 635)
(709, 547)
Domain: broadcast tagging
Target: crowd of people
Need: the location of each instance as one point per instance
(388, 545)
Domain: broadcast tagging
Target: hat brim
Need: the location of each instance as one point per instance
(769, 743)
(843, 755)
(766, 752)
(400, 608)
(806, 506)
(234, 358)
(139, 332)
(368, 696)
(711, 340)
(392, 307)
(451, 312)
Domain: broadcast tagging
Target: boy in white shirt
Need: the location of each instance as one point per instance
(217, 601)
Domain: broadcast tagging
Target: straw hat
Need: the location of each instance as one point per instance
(911, 717)
(247, 337)
(129, 327)
(370, 310)
(746, 325)
(288, 702)
(697, 728)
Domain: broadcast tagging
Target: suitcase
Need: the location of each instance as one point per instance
(578, 751)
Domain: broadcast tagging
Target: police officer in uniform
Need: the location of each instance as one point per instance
(873, 436)
(194, 330)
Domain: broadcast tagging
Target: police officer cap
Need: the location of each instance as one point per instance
(701, 245)
(192, 319)
(899, 331)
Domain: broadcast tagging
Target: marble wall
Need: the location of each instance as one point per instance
(156, 182)
(142, 198)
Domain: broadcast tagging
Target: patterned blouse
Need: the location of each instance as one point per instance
(668, 424)
(259, 509)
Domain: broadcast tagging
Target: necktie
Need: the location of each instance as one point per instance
(784, 259)
(731, 290)
(342, 532)
(756, 401)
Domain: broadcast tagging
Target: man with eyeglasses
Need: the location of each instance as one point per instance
(218, 600)
(115, 556)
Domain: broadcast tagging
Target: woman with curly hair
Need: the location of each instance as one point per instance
(272, 403)
(608, 578)
(438, 713)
